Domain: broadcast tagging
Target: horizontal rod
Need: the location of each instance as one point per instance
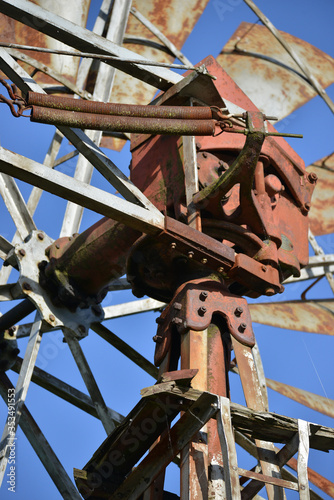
(116, 109)
(157, 126)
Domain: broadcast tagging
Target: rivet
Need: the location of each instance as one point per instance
(204, 260)
(57, 246)
(173, 246)
(307, 206)
(269, 292)
(220, 269)
(205, 155)
(26, 286)
(51, 317)
(40, 236)
(22, 252)
(190, 254)
(264, 269)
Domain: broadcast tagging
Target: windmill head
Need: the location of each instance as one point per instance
(254, 196)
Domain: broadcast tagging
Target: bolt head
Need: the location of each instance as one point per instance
(52, 318)
(22, 252)
(26, 285)
(190, 254)
(238, 311)
(204, 260)
(264, 268)
(312, 177)
(173, 246)
(270, 292)
(242, 327)
(40, 236)
(202, 310)
(203, 296)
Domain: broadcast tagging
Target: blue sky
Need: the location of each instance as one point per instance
(296, 358)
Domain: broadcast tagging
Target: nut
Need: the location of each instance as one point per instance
(242, 327)
(202, 310)
(238, 311)
(203, 296)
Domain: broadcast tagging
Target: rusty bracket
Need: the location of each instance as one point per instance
(193, 308)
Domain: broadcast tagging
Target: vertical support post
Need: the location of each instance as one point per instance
(303, 451)
(253, 396)
(194, 457)
(8, 436)
(225, 431)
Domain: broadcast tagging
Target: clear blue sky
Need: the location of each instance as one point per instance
(296, 358)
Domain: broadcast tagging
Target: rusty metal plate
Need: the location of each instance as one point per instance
(175, 20)
(12, 31)
(318, 403)
(322, 207)
(271, 85)
(314, 316)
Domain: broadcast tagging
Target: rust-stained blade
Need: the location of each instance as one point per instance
(322, 207)
(314, 316)
(14, 32)
(273, 85)
(175, 20)
(306, 398)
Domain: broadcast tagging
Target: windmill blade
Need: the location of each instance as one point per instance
(267, 74)
(322, 208)
(314, 401)
(313, 316)
(15, 32)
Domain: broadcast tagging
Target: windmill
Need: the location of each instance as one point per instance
(73, 215)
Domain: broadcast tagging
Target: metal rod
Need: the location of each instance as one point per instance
(101, 57)
(164, 126)
(116, 109)
(18, 312)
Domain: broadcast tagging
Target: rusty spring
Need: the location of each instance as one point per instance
(15, 99)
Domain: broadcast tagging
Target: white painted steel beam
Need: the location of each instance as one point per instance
(133, 307)
(21, 389)
(42, 448)
(102, 92)
(89, 380)
(85, 41)
(88, 196)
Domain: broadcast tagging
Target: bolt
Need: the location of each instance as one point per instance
(203, 296)
(264, 269)
(204, 260)
(40, 236)
(82, 329)
(220, 269)
(205, 155)
(159, 320)
(281, 290)
(177, 321)
(96, 310)
(22, 252)
(11, 331)
(52, 318)
(312, 177)
(198, 146)
(57, 246)
(173, 246)
(177, 306)
(269, 292)
(157, 338)
(190, 254)
(238, 311)
(307, 206)
(202, 310)
(26, 286)
(242, 327)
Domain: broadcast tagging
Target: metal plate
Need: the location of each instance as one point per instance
(273, 85)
